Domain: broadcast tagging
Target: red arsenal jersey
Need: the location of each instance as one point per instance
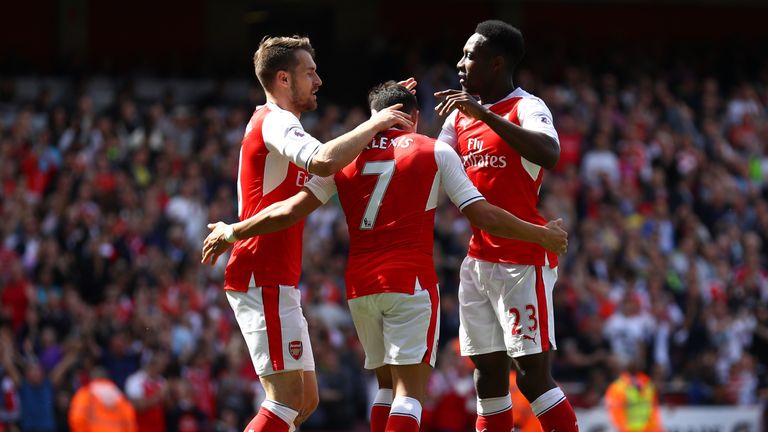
(274, 157)
(502, 175)
(389, 195)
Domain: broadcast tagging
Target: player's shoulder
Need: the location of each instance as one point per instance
(417, 142)
(417, 137)
(442, 146)
(529, 101)
(444, 153)
(274, 116)
(268, 115)
(515, 98)
(450, 119)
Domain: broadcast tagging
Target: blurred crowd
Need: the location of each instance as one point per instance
(662, 183)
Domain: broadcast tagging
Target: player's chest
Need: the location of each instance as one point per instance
(476, 138)
(481, 150)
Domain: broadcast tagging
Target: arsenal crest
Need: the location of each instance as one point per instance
(295, 349)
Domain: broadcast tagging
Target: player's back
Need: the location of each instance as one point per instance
(389, 194)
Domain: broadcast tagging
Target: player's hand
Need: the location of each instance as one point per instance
(391, 116)
(215, 244)
(556, 239)
(461, 100)
(409, 84)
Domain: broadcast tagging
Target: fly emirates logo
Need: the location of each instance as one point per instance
(476, 158)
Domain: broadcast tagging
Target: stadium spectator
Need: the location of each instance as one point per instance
(632, 402)
(36, 387)
(101, 406)
(10, 409)
(147, 389)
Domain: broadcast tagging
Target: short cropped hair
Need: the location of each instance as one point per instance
(276, 54)
(503, 39)
(391, 93)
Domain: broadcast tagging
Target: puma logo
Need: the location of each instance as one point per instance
(530, 338)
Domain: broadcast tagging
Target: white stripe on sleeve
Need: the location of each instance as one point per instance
(534, 115)
(284, 134)
(448, 132)
(457, 185)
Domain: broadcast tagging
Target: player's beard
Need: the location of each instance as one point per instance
(303, 103)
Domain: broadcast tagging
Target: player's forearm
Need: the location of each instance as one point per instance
(536, 147)
(276, 217)
(505, 224)
(501, 223)
(339, 152)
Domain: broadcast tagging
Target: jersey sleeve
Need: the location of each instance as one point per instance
(284, 134)
(323, 188)
(457, 185)
(534, 115)
(448, 132)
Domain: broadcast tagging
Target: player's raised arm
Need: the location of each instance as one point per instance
(339, 152)
(290, 80)
(487, 216)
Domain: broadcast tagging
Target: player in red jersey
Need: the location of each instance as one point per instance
(389, 196)
(262, 273)
(506, 139)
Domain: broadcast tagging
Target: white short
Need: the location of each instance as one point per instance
(506, 307)
(398, 328)
(274, 328)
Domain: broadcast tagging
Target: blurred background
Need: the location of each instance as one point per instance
(120, 125)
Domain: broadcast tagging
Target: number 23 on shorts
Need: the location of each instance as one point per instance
(533, 323)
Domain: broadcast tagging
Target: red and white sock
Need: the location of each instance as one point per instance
(405, 415)
(380, 410)
(555, 412)
(273, 417)
(494, 414)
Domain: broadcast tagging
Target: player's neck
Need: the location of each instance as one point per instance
(283, 103)
(497, 92)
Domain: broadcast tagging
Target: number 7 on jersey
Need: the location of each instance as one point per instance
(383, 169)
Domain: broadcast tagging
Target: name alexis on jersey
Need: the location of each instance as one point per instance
(383, 143)
(476, 158)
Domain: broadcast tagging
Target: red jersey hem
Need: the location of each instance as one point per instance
(230, 287)
(534, 262)
(410, 291)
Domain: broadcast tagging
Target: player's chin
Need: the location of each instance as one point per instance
(310, 105)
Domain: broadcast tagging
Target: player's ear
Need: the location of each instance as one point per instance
(283, 78)
(499, 62)
(415, 118)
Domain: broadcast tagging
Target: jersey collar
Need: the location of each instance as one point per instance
(274, 107)
(518, 92)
